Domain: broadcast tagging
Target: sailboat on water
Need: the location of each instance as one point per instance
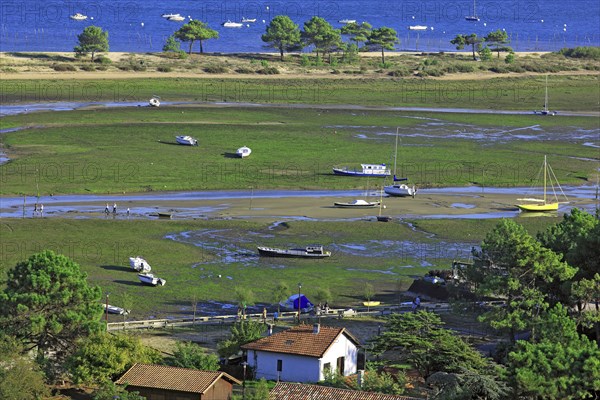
(545, 110)
(546, 203)
(399, 189)
(473, 17)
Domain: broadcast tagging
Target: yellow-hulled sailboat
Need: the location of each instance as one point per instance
(545, 204)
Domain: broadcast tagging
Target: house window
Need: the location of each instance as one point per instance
(326, 369)
(340, 365)
(279, 365)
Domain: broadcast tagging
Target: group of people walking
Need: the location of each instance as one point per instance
(38, 208)
(114, 209)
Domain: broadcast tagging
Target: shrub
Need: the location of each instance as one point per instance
(430, 72)
(264, 63)
(588, 52)
(245, 70)
(336, 72)
(101, 68)
(103, 60)
(499, 69)
(63, 67)
(465, 68)
(268, 71)
(385, 65)
(87, 67)
(182, 55)
(215, 69)
(402, 71)
(165, 68)
(304, 60)
(510, 58)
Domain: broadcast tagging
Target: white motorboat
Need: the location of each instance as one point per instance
(248, 19)
(150, 279)
(154, 101)
(399, 189)
(171, 15)
(418, 27)
(347, 21)
(230, 24)
(186, 140)
(139, 264)
(115, 310)
(176, 18)
(243, 152)
(357, 204)
(366, 170)
(78, 17)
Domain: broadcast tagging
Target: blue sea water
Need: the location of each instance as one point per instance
(137, 25)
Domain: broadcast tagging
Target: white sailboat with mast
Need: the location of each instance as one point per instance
(544, 204)
(399, 189)
(473, 17)
(545, 110)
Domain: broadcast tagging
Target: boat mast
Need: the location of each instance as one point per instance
(396, 153)
(545, 173)
(546, 97)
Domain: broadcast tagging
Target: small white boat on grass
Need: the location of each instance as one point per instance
(139, 264)
(230, 24)
(78, 17)
(150, 279)
(243, 152)
(418, 27)
(115, 310)
(357, 204)
(186, 140)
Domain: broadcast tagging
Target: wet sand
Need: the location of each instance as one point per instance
(438, 203)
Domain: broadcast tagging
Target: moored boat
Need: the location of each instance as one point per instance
(78, 17)
(186, 140)
(150, 279)
(314, 251)
(248, 19)
(139, 264)
(154, 101)
(230, 24)
(176, 18)
(418, 27)
(115, 310)
(347, 21)
(366, 170)
(399, 189)
(359, 203)
(544, 204)
(243, 152)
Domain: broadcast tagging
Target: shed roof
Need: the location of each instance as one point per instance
(173, 378)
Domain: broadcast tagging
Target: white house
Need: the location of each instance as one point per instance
(303, 353)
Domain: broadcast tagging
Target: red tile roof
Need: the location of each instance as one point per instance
(173, 378)
(299, 391)
(300, 340)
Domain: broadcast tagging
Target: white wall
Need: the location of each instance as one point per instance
(294, 368)
(340, 347)
(301, 368)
